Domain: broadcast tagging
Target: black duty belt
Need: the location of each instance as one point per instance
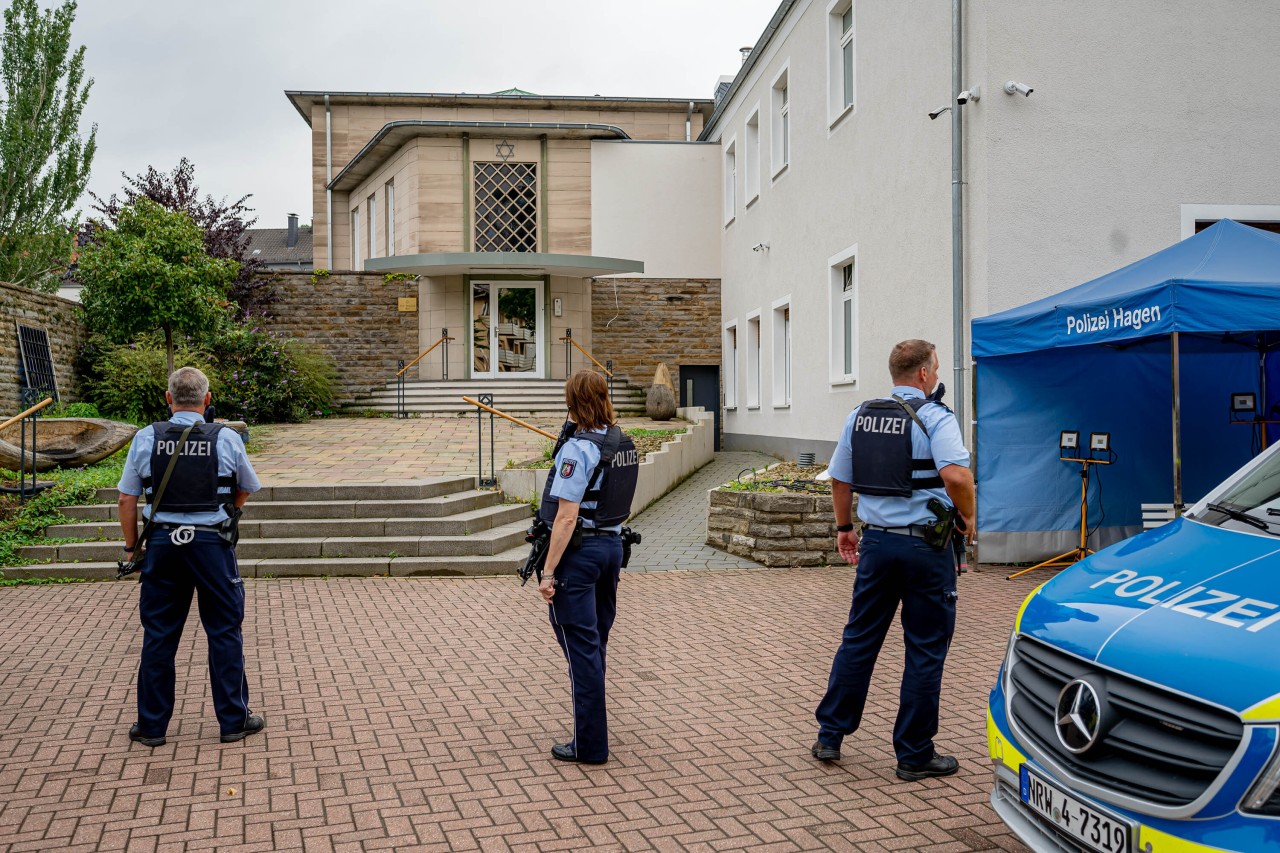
(916, 530)
(591, 531)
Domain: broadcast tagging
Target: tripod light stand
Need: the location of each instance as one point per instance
(1098, 442)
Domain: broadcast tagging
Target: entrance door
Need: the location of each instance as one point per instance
(506, 335)
(700, 386)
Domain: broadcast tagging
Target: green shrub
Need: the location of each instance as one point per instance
(317, 376)
(128, 381)
(71, 410)
(269, 378)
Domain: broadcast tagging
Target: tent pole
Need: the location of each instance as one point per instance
(1177, 427)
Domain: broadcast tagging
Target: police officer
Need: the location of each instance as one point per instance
(188, 551)
(897, 454)
(586, 498)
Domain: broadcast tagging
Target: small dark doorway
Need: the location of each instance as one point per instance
(700, 386)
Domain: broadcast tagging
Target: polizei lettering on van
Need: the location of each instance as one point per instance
(1214, 605)
(1116, 318)
(890, 426)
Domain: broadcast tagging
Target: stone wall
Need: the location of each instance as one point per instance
(652, 320)
(775, 528)
(355, 318)
(55, 315)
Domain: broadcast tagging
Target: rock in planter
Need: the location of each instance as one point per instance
(660, 403)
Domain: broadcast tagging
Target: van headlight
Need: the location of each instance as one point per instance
(1008, 660)
(1264, 796)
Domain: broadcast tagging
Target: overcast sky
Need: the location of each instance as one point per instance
(176, 78)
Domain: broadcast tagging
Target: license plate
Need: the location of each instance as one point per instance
(1092, 827)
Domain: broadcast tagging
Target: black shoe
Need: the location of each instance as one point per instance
(136, 735)
(252, 726)
(822, 752)
(939, 765)
(566, 752)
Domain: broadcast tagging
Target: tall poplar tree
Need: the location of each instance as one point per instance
(44, 161)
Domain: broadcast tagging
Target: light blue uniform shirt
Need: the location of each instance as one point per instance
(575, 463)
(232, 459)
(944, 444)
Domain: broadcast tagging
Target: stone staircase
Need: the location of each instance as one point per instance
(441, 526)
(523, 397)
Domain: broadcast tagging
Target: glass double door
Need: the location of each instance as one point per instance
(506, 332)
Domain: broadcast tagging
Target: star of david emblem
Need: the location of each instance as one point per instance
(505, 149)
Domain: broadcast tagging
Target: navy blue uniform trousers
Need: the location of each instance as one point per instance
(170, 575)
(582, 613)
(894, 568)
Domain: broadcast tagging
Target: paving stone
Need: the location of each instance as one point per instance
(417, 714)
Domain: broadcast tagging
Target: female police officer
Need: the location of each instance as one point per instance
(587, 497)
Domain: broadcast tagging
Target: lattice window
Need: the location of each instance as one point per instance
(506, 207)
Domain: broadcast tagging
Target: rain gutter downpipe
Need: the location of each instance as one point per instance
(328, 179)
(957, 217)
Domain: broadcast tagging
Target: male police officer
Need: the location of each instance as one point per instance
(898, 454)
(189, 550)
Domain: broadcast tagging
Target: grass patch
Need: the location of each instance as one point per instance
(24, 523)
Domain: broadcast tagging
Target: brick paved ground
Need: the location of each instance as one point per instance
(417, 714)
(675, 527)
(382, 449)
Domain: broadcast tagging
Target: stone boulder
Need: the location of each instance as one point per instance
(660, 403)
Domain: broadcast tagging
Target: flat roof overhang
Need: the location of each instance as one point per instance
(533, 264)
(393, 135)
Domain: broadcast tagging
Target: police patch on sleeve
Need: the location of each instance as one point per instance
(566, 470)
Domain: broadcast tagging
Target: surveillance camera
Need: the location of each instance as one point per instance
(938, 112)
(1013, 87)
(971, 94)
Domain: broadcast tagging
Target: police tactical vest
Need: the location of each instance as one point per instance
(612, 484)
(883, 461)
(195, 481)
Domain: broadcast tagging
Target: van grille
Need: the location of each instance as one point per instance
(1159, 746)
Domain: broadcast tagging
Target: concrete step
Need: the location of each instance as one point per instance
(398, 490)
(459, 524)
(437, 507)
(480, 543)
(504, 563)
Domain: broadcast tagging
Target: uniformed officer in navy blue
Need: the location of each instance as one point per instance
(186, 553)
(896, 454)
(590, 487)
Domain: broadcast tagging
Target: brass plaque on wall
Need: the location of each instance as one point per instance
(408, 303)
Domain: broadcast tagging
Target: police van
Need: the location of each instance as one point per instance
(1138, 706)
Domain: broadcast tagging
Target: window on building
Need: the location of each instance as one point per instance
(751, 158)
(782, 352)
(389, 194)
(841, 78)
(753, 360)
(1197, 217)
(355, 239)
(730, 180)
(844, 317)
(731, 365)
(373, 227)
(781, 130)
(506, 205)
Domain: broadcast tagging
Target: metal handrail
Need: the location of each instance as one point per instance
(500, 414)
(28, 413)
(605, 370)
(425, 353)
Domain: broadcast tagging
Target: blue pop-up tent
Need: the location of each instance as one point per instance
(1151, 354)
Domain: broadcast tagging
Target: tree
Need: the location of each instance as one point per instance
(225, 225)
(44, 163)
(152, 272)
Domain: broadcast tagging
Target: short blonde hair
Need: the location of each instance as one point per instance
(187, 386)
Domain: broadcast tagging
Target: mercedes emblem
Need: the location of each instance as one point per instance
(1079, 716)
